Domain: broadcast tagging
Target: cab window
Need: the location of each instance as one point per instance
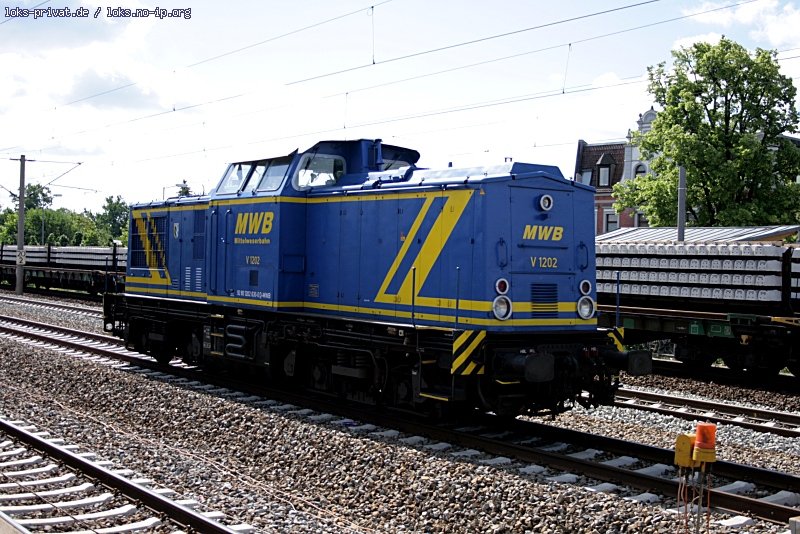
(268, 176)
(318, 170)
(235, 178)
(395, 164)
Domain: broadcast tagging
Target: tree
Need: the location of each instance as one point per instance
(114, 217)
(36, 196)
(184, 190)
(725, 113)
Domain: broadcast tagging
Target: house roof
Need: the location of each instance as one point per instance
(700, 234)
(589, 156)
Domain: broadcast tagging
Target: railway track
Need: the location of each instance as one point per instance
(779, 423)
(71, 308)
(606, 464)
(46, 486)
(760, 420)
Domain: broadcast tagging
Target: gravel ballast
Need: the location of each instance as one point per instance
(280, 472)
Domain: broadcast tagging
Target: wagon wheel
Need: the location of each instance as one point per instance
(161, 352)
(733, 362)
(794, 368)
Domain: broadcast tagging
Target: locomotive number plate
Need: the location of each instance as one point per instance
(544, 262)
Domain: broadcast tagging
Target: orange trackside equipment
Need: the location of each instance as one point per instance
(705, 443)
(683, 451)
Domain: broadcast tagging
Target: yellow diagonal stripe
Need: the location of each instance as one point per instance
(468, 351)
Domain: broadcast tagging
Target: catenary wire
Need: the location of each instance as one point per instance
(552, 47)
(234, 51)
(474, 41)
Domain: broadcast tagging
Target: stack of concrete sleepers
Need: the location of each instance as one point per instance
(743, 272)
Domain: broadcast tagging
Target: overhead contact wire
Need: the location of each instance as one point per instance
(479, 40)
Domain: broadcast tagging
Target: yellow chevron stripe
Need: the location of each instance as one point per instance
(412, 233)
(458, 362)
(618, 337)
(470, 367)
(434, 243)
(149, 254)
(460, 340)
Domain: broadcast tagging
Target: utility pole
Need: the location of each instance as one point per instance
(21, 227)
(681, 202)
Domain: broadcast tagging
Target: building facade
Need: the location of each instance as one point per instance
(602, 165)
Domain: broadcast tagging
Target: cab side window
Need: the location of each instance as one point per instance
(318, 170)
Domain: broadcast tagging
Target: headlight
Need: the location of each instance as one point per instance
(585, 307)
(501, 307)
(585, 287)
(545, 202)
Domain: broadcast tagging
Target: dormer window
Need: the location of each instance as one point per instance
(603, 175)
(605, 169)
(641, 170)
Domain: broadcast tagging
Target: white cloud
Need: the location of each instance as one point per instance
(712, 12)
(687, 42)
(779, 28)
(771, 22)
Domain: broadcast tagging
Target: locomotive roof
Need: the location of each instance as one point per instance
(367, 164)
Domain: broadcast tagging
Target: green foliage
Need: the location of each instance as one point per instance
(79, 228)
(36, 196)
(183, 190)
(724, 113)
(114, 217)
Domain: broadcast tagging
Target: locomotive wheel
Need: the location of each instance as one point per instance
(733, 362)
(489, 396)
(794, 368)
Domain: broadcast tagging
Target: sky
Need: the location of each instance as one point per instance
(108, 104)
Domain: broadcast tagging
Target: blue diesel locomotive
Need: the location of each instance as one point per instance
(347, 269)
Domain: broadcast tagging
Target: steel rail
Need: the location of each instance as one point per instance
(100, 338)
(55, 305)
(152, 500)
(761, 420)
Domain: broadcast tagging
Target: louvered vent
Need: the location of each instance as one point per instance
(544, 300)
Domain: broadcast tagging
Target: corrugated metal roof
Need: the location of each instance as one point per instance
(699, 234)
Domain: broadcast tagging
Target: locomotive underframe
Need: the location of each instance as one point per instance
(382, 363)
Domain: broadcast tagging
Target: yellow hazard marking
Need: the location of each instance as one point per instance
(617, 335)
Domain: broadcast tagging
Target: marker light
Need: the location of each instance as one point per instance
(501, 307)
(585, 287)
(501, 286)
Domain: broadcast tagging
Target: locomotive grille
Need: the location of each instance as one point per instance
(156, 233)
(544, 300)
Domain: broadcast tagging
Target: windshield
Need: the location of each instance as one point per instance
(235, 178)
